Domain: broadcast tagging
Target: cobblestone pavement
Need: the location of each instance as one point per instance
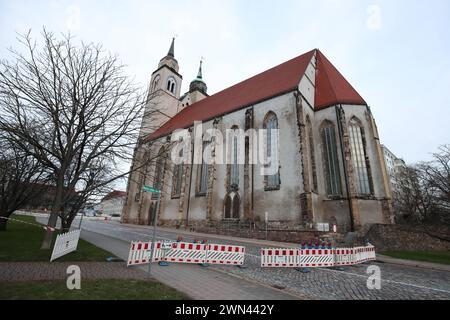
(28, 271)
(398, 282)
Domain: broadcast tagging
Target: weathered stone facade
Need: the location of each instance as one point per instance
(300, 200)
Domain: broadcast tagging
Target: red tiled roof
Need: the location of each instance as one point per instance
(331, 88)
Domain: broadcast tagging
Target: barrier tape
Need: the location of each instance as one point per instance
(47, 228)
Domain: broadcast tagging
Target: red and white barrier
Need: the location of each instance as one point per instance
(314, 258)
(363, 254)
(225, 254)
(280, 258)
(344, 256)
(139, 253)
(183, 252)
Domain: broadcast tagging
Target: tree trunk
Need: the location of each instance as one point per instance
(48, 238)
(56, 208)
(3, 223)
(65, 225)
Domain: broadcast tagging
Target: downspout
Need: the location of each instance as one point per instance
(350, 208)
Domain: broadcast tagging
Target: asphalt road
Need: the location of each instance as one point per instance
(397, 282)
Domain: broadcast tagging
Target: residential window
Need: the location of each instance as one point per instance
(359, 157)
(331, 163)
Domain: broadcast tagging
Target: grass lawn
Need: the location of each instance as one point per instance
(90, 290)
(428, 256)
(22, 242)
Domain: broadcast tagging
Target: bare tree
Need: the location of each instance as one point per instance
(422, 191)
(437, 175)
(73, 109)
(22, 180)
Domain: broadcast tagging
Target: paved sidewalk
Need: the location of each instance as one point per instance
(196, 281)
(30, 271)
(413, 263)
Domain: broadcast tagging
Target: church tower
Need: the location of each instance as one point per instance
(197, 90)
(162, 104)
(164, 93)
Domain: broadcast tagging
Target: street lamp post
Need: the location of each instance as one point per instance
(152, 190)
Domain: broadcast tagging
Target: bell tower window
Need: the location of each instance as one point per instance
(171, 85)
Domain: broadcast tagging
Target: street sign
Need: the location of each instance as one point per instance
(150, 189)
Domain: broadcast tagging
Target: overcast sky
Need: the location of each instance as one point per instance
(395, 53)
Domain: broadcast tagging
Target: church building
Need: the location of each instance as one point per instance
(331, 166)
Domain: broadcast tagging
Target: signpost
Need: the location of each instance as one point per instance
(153, 190)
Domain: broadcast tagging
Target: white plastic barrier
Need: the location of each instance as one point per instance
(65, 243)
(183, 252)
(344, 256)
(314, 258)
(280, 258)
(225, 254)
(139, 253)
(363, 254)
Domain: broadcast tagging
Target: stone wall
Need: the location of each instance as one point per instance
(292, 236)
(403, 237)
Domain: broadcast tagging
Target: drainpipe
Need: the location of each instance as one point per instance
(340, 133)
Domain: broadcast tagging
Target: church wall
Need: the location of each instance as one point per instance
(282, 204)
(198, 203)
(220, 184)
(324, 207)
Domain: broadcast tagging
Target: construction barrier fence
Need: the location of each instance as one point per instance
(184, 252)
(313, 258)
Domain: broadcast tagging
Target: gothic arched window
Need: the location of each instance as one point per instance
(204, 167)
(178, 172)
(159, 171)
(171, 85)
(155, 84)
(272, 182)
(330, 159)
(359, 156)
(312, 157)
(234, 169)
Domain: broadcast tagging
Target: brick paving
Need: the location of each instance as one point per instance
(30, 271)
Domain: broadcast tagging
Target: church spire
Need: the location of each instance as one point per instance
(171, 52)
(198, 84)
(169, 60)
(199, 75)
